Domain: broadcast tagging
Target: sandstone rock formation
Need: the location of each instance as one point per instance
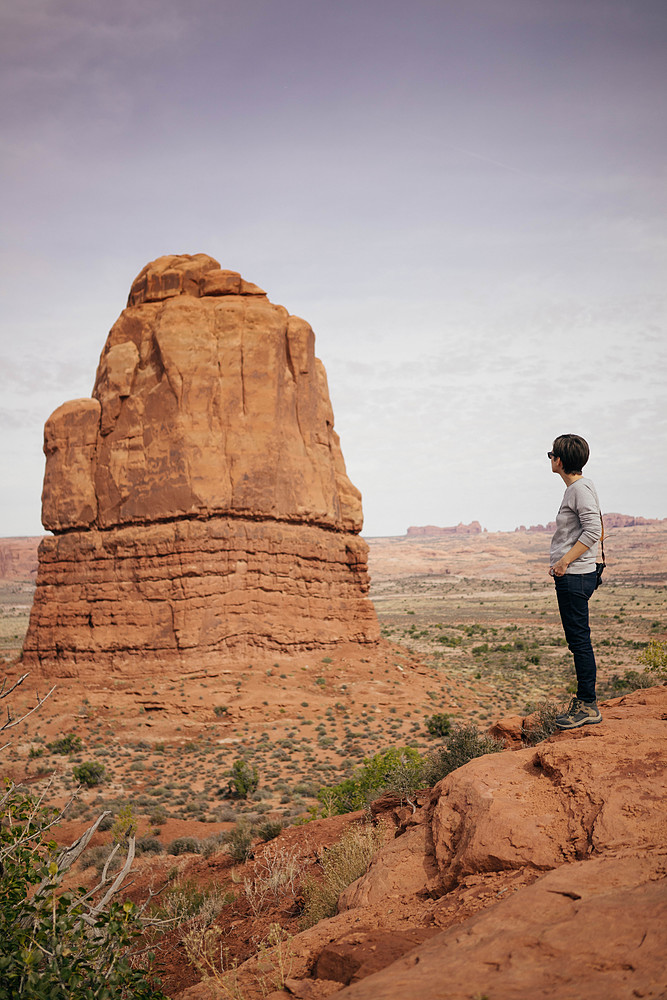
(432, 531)
(540, 872)
(199, 499)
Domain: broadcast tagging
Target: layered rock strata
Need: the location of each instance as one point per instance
(199, 500)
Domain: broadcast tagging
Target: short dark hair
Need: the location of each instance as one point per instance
(573, 452)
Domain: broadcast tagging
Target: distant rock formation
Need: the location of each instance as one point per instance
(474, 528)
(199, 499)
(610, 521)
(18, 558)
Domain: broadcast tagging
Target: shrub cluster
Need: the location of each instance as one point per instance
(90, 773)
(54, 944)
(464, 744)
(400, 767)
(66, 744)
(439, 725)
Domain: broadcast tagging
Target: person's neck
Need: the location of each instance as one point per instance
(570, 477)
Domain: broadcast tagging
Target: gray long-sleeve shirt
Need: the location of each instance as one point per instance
(578, 520)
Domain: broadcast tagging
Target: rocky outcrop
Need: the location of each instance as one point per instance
(540, 872)
(199, 500)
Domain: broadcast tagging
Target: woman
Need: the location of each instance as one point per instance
(572, 565)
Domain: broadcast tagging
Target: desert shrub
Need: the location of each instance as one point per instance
(90, 773)
(98, 857)
(269, 829)
(464, 744)
(158, 815)
(213, 844)
(449, 640)
(239, 842)
(439, 725)
(654, 658)
(66, 744)
(125, 824)
(545, 722)
(244, 779)
(184, 845)
(402, 766)
(342, 864)
(186, 899)
(149, 845)
(308, 788)
(624, 683)
(276, 874)
(55, 944)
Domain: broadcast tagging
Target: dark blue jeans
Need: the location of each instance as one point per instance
(573, 591)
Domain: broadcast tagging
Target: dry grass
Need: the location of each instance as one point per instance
(342, 864)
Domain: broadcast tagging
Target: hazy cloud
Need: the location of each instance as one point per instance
(466, 201)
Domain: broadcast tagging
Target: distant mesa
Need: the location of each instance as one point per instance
(199, 500)
(610, 521)
(474, 528)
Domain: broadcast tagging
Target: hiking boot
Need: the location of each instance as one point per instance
(580, 713)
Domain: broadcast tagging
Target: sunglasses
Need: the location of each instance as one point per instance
(551, 454)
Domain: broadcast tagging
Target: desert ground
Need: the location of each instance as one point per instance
(470, 629)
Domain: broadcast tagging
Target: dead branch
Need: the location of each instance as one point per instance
(10, 723)
(17, 683)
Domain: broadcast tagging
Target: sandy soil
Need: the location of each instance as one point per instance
(470, 629)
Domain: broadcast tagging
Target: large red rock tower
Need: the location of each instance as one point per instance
(198, 501)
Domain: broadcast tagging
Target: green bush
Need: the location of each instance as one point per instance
(439, 725)
(464, 744)
(54, 944)
(90, 773)
(244, 779)
(66, 744)
(399, 769)
(654, 658)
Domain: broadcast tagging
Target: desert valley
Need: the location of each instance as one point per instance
(261, 698)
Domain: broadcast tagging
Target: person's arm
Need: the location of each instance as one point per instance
(577, 550)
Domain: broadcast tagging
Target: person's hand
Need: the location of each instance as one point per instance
(559, 568)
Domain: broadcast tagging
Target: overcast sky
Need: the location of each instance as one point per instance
(466, 200)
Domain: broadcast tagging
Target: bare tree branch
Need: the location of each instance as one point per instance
(17, 683)
(10, 723)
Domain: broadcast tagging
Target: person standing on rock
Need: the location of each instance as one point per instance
(572, 565)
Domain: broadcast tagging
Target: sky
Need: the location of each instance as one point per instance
(467, 202)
